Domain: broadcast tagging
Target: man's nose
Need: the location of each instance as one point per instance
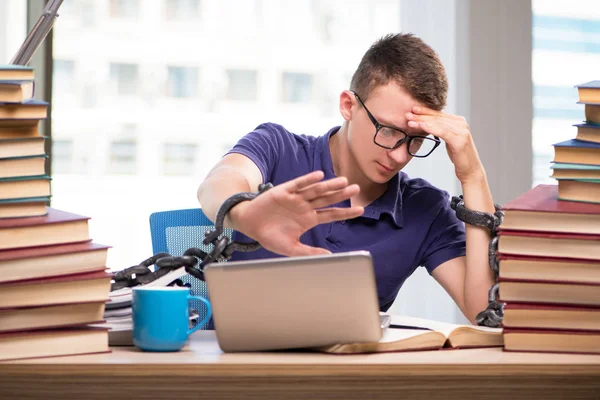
(399, 154)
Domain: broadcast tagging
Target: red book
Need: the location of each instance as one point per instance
(53, 343)
(46, 317)
(549, 341)
(548, 268)
(546, 292)
(79, 288)
(56, 227)
(539, 209)
(545, 244)
(549, 316)
(61, 259)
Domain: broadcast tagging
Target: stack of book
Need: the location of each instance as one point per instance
(549, 249)
(576, 163)
(24, 187)
(53, 280)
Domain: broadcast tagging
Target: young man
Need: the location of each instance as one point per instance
(344, 190)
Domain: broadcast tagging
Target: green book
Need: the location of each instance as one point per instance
(575, 166)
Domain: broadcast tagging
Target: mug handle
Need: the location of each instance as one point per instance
(208, 313)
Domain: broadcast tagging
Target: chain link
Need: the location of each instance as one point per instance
(494, 313)
(222, 250)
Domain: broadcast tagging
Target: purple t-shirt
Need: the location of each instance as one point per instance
(408, 226)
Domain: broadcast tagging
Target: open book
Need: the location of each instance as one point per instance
(413, 334)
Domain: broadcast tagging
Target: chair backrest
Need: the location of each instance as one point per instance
(176, 231)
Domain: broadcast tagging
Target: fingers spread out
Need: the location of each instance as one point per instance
(303, 181)
(317, 190)
(334, 197)
(338, 214)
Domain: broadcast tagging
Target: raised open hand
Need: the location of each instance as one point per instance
(277, 218)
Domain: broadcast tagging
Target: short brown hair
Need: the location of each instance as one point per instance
(407, 60)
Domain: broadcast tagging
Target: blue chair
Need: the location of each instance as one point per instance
(176, 231)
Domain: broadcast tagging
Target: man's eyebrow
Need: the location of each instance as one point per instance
(385, 123)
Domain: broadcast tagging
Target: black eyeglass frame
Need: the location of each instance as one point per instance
(378, 127)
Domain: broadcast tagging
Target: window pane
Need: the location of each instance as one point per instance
(123, 157)
(297, 87)
(182, 9)
(241, 85)
(124, 77)
(64, 76)
(566, 52)
(182, 82)
(62, 156)
(123, 8)
(179, 158)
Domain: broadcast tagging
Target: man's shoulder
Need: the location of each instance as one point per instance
(419, 189)
(279, 132)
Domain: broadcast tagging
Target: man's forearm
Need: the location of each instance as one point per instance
(478, 276)
(221, 184)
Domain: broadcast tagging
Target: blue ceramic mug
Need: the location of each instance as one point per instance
(161, 317)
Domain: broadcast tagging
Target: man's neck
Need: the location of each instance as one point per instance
(344, 164)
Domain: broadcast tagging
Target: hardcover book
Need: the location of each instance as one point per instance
(53, 343)
(16, 91)
(62, 259)
(549, 341)
(549, 244)
(546, 292)
(577, 152)
(51, 317)
(16, 72)
(56, 227)
(539, 209)
(32, 109)
(548, 268)
(79, 288)
(547, 316)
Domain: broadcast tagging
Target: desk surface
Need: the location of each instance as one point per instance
(203, 361)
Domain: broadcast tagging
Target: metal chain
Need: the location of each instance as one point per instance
(222, 251)
(494, 313)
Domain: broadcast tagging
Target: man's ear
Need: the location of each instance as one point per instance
(347, 100)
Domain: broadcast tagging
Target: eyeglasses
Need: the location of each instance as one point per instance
(391, 138)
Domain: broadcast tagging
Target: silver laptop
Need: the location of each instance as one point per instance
(294, 302)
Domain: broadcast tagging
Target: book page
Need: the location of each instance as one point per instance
(443, 327)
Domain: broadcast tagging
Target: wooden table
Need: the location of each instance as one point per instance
(201, 370)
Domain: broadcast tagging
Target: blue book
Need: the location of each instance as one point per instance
(10, 72)
(577, 152)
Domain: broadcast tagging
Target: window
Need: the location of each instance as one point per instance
(137, 120)
(566, 52)
(297, 87)
(179, 158)
(62, 156)
(241, 85)
(182, 9)
(64, 76)
(123, 157)
(124, 78)
(182, 82)
(124, 8)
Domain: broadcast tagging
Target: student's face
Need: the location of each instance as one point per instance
(389, 105)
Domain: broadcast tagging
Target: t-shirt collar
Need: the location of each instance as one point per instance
(389, 203)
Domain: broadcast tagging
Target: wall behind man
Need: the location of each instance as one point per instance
(485, 46)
